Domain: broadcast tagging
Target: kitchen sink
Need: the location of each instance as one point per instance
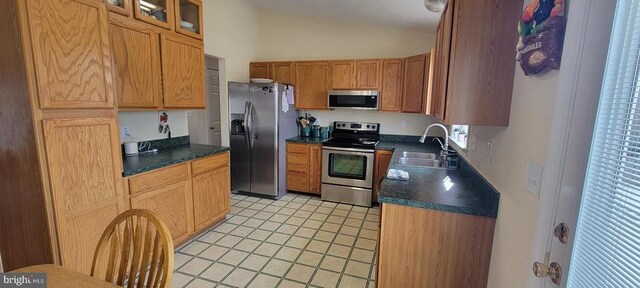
(419, 159)
(418, 155)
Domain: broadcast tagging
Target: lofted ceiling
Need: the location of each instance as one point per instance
(404, 14)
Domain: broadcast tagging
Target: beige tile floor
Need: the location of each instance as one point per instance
(297, 241)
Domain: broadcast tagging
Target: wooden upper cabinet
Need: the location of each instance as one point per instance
(441, 69)
(86, 183)
(183, 72)
(283, 72)
(413, 84)
(427, 88)
(260, 70)
(391, 91)
(189, 17)
(72, 55)
(136, 55)
(122, 7)
(343, 75)
(313, 82)
(368, 74)
(157, 12)
(482, 95)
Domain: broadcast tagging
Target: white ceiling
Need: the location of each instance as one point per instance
(404, 14)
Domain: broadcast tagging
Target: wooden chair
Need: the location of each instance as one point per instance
(135, 250)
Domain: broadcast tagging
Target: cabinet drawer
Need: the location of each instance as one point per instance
(297, 159)
(158, 178)
(209, 163)
(297, 181)
(297, 148)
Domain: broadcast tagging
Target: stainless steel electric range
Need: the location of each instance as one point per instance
(347, 163)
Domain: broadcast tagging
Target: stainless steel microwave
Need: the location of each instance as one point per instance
(354, 99)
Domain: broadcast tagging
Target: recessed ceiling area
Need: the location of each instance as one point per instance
(403, 14)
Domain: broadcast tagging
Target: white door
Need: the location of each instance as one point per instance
(591, 235)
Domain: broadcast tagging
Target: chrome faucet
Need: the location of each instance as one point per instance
(444, 147)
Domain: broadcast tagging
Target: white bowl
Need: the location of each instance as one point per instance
(186, 24)
(261, 80)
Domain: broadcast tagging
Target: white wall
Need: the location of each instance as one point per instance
(143, 125)
(231, 32)
(525, 139)
(390, 123)
(288, 36)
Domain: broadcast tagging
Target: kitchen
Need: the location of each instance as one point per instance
(171, 131)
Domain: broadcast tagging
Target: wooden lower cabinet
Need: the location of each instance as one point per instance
(85, 183)
(429, 248)
(174, 204)
(382, 161)
(304, 167)
(211, 196)
(188, 197)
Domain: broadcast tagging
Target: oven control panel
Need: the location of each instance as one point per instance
(357, 126)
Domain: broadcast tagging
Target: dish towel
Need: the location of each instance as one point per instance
(397, 174)
(285, 102)
(290, 97)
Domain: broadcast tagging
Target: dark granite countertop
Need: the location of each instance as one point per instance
(168, 156)
(306, 140)
(459, 191)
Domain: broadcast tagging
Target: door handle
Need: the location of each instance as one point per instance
(247, 132)
(553, 271)
(250, 125)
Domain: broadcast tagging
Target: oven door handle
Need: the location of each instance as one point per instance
(349, 149)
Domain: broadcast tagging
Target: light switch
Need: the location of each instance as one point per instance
(533, 181)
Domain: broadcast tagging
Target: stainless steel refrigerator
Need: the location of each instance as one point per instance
(259, 129)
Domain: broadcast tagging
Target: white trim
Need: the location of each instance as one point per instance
(573, 119)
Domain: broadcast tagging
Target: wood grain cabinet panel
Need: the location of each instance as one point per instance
(183, 72)
(482, 95)
(343, 75)
(283, 72)
(85, 183)
(158, 178)
(413, 84)
(71, 52)
(382, 161)
(209, 163)
(211, 196)
(368, 74)
(391, 93)
(260, 70)
(313, 82)
(315, 168)
(136, 55)
(298, 181)
(174, 205)
(425, 248)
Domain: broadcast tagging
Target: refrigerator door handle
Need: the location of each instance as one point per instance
(247, 125)
(251, 138)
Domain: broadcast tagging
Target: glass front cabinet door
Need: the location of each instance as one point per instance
(189, 17)
(122, 7)
(157, 12)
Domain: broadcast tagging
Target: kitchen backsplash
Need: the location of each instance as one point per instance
(143, 125)
(390, 123)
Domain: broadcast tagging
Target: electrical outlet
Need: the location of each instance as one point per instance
(124, 131)
(533, 180)
(474, 142)
(487, 154)
(189, 113)
(403, 124)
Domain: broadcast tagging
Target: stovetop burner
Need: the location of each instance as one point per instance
(354, 135)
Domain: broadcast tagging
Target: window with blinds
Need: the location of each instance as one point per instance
(606, 252)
